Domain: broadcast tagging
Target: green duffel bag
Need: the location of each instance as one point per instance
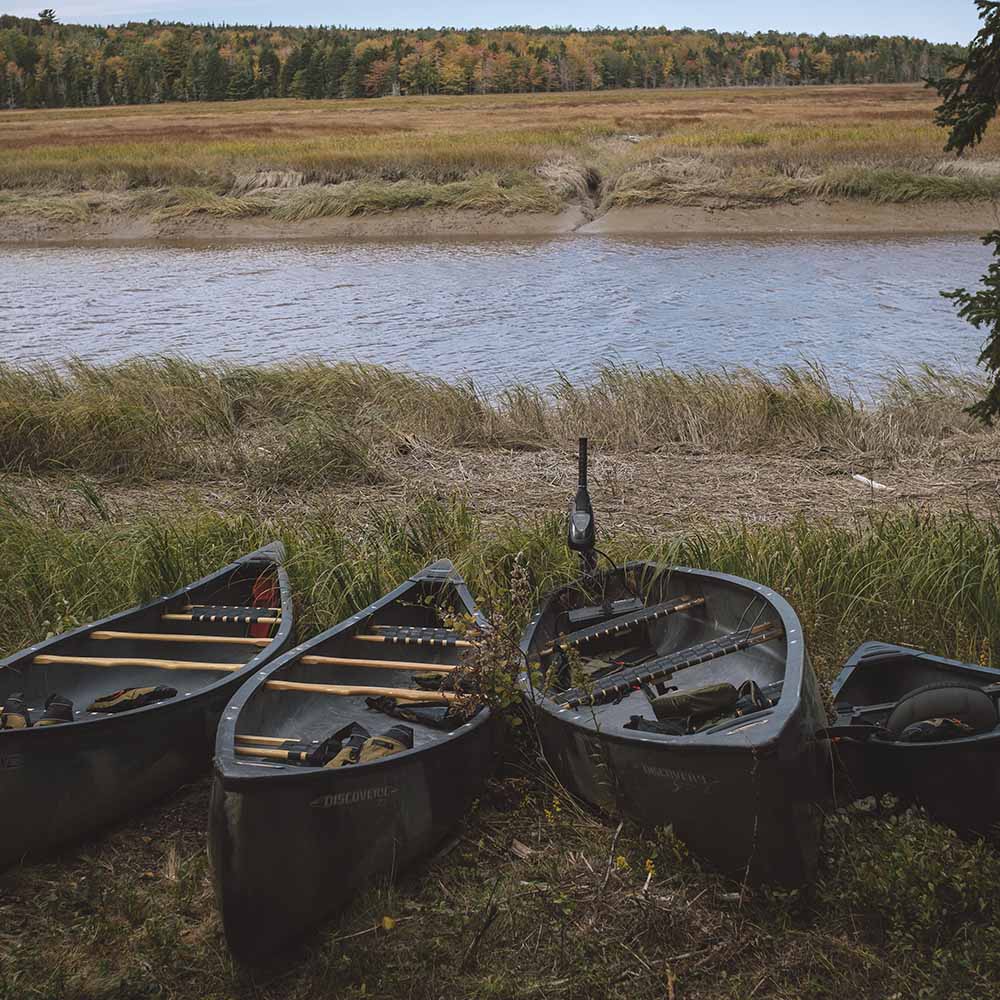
(697, 703)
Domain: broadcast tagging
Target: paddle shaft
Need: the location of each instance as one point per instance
(347, 690)
(233, 640)
(623, 624)
(351, 661)
(130, 661)
(396, 640)
(675, 662)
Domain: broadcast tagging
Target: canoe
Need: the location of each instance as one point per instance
(736, 781)
(292, 840)
(883, 742)
(64, 780)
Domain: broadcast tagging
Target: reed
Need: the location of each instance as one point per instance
(169, 417)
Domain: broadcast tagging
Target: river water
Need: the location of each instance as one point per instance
(502, 311)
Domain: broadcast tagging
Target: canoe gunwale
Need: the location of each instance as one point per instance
(238, 773)
(783, 713)
(273, 554)
(854, 661)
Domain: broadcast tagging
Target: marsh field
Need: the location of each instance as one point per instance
(122, 480)
(496, 163)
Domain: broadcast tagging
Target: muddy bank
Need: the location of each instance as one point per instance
(810, 217)
(807, 217)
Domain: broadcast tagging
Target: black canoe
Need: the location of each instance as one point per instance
(60, 782)
(884, 690)
(293, 843)
(741, 791)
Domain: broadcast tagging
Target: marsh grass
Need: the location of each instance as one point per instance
(690, 148)
(536, 897)
(312, 421)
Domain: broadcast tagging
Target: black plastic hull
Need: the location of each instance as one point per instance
(956, 781)
(752, 816)
(61, 783)
(744, 796)
(72, 783)
(288, 854)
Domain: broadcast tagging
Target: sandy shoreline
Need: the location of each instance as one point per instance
(805, 218)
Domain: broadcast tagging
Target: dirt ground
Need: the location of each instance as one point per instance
(646, 493)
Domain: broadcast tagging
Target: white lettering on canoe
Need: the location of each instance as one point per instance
(353, 798)
(681, 779)
(11, 761)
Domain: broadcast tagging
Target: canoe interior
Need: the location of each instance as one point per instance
(878, 675)
(83, 683)
(728, 606)
(309, 716)
(956, 780)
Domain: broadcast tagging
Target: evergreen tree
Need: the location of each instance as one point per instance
(971, 96)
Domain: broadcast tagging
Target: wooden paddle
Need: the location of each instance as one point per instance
(236, 640)
(350, 661)
(130, 661)
(347, 690)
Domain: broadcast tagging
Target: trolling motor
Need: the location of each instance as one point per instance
(580, 532)
(581, 537)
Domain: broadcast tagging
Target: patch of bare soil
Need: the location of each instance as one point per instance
(657, 493)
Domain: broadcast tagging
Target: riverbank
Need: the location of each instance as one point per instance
(754, 160)
(100, 224)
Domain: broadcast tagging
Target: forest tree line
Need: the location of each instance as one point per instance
(46, 64)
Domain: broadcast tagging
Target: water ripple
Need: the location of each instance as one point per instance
(500, 311)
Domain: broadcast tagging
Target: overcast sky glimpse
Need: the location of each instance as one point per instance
(938, 20)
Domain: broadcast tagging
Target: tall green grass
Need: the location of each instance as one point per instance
(930, 581)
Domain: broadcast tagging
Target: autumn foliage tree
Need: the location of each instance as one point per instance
(47, 64)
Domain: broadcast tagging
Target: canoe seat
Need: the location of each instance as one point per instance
(407, 635)
(213, 613)
(227, 615)
(965, 702)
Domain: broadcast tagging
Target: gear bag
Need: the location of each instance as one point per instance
(128, 698)
(427, 713)
(58, 710)
(15, 714)
(712, 699)
(935, 730)
(350, 750)
(396, 740)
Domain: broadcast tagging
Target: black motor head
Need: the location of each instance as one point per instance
(581, 533)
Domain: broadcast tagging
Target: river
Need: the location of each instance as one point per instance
(501, 311)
